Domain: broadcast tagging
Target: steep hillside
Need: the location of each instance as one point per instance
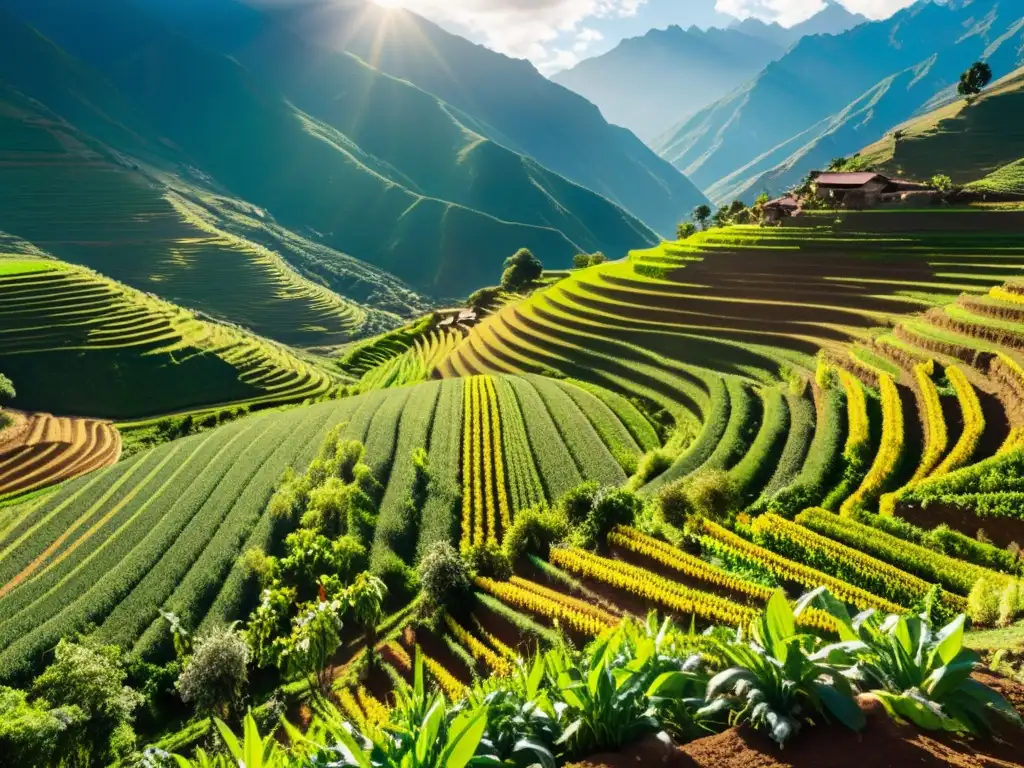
(510, 102)
(78, 343)
(965, 142)
(831, 95)
(650, 83)
(282, 125)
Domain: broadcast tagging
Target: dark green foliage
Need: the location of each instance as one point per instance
(6, 387)
(533, 532)
(611, 507)
(91, 677)
(708, 493)
(974, 79)
(701, 215)
(798, 440)
(744, 420)
(584, 260)
(444, 576)
(823, 461)
(32, 733)
(484, 298)
(521, 269)
(686, 230)
(758, 464)
(489, 560)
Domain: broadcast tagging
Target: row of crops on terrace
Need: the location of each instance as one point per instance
(128, 354)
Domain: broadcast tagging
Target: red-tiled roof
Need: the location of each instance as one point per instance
(847, 179)
(786, 201)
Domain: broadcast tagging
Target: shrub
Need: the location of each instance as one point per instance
(686, 230)
(1009, 603)
(401, 581)
(651, 464)
(674, 503)
(942, 182)
(215, 675)
(31, 733)
(445, 576)
(983, 603)
(534, 531)
(576, 503)
(612, 507)
(713, 495)
(489, 560)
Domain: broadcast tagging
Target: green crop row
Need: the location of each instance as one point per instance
(555, 464)
(823, 460)
(397, 530)
(524, 483)
(761, 460)
(383, 434)
(194, 569)
(639, 427)
(745, 415)
(799, 434)
(716, 420)
(439, 517)
(604, 420)
(590, 453)
(955, 575)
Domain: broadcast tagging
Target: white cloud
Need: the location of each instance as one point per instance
(548, 32)
(789, 12)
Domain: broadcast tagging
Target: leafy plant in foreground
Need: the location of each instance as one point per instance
(778, 679)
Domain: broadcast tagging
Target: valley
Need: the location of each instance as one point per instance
(369, 399)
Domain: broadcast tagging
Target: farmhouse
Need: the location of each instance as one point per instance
(780, 208)
(865, 189)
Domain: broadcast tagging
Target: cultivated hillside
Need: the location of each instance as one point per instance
(966, 142)
(79, 344)
(831, 95)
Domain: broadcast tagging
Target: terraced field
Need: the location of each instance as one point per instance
(915, 314)
(70, 197)
(78, 343)
(38, 449)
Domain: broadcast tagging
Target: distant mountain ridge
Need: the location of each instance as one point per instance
(333, 149)
(830, 95)
(651, 83)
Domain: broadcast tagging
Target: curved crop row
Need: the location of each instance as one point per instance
(604, 420)
(552, 609)
(628, 415)
(857, 450)
(477, 649)
(571, 602)
(974, 422)
(719, 539)
(761, 459)
(799, 543)
(523, 480)
(440, 520)
(799, 434)
(744, 421)
(955, 575)
(555, 464)
(890, 451)
(936, 436)
(649, 586)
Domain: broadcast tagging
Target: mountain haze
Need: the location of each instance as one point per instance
(831, 95)
(318, 139)
(650, 83)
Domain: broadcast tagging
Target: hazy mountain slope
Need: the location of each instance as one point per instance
(821, 80)
(236, 124)
(965, 142)
(512, 103)
(650, 83)
(830, 20)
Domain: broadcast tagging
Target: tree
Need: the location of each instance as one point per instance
(366, 600)
(6, 387)
(91, 677)
(686, 230)
(31, 733)
(701, 214)
(942, 182)
(521, 269)
(216, 673)
(584, 260)
(837, 164)
(974, 79)
(315, 636)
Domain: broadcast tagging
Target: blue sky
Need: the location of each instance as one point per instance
(555, 34)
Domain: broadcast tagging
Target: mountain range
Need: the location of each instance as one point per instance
(829, 96)
(343, 163)
(651, 83)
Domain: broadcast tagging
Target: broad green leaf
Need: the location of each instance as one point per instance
(779, 624)
(252, 744)
(535, 679)
(229, 739)
(542, 755)
(946, 679)
(669, 684)
(949, 641)
(428, 732)
(467, 731)
(843, 707)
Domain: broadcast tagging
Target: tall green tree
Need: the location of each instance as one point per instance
(521, 269)
(974, 79)
(701, 214)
